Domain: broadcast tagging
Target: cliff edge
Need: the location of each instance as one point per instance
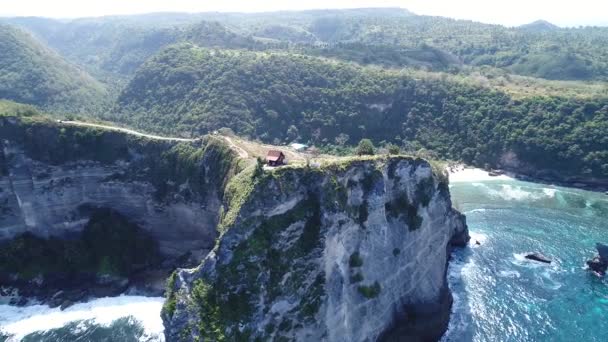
(352, 251)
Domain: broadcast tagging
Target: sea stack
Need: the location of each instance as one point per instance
(599, 264)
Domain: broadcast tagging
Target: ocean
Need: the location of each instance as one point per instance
(501, 296)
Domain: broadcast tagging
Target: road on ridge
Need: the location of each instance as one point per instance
(125, 130)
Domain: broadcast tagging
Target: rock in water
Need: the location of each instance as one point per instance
(602, 251)
(599, 264)
(538, 257)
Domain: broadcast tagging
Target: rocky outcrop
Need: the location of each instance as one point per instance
(353, 251)
(538, 257)
(599, 263)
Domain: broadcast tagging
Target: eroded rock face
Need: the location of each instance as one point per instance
(53, 199)
(355, 252)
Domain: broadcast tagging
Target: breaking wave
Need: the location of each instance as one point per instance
(139, 313)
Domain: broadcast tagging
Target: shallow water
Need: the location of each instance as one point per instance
(501, 296)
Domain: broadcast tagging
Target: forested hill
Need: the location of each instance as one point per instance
(278, 96)
(388, 37)
(330, 77)
(33, 74)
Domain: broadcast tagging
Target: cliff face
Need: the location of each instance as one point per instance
(52, 176)
(352, 252)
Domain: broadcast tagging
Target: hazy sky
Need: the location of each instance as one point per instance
(506, 12)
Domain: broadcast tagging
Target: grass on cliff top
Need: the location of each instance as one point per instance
(340, 164)
(236, 194)
(10, 108)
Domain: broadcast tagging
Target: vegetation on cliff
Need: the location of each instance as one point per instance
(272, 256)
(108, 245)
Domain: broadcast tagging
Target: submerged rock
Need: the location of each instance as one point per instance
(538, 257)
(599, 263)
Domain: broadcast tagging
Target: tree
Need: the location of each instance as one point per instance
(365, 147)
(293, 133)
(393, 149)
(342, 139)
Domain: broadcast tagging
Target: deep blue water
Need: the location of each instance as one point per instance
(499, 295)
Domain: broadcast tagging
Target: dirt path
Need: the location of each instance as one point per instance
(125, 130)
(242, 153)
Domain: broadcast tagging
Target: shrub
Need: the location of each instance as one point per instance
(393, 149)
(356, 278)
(355, 260)
(365, 147)
(370, 291)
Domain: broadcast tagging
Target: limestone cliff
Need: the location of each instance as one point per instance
(52, 174)
(353, 251)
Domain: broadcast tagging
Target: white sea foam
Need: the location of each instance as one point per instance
(520, 193)
(462, 174)
(477, 237)
(509, 274)
(550, 192)
(457, 269)
(21, 321)
(479, 210)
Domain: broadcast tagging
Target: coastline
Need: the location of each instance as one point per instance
(465, 173)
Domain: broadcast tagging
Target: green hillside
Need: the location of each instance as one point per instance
(33, 74)
(279, 97)
(387, 37)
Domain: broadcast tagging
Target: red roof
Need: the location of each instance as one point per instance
(274, 155)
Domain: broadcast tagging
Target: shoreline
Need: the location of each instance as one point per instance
(461, 173)
(17, 322)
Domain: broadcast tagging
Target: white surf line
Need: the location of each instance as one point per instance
(464, 174)
(125, 130)
(21, 321)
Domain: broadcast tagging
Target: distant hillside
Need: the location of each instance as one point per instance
(388, 37)
(33, 74)
(280, 97)
(539, 26)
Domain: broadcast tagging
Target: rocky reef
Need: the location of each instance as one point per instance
(355, 250)
(599, 263)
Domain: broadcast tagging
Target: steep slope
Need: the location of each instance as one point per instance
(31, 73)
(353, 251)
(113, 48)
(276, 97)
(53, 172)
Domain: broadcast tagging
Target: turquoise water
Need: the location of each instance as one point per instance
(499, 295)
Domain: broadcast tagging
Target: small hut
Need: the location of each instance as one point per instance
(275, 158)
